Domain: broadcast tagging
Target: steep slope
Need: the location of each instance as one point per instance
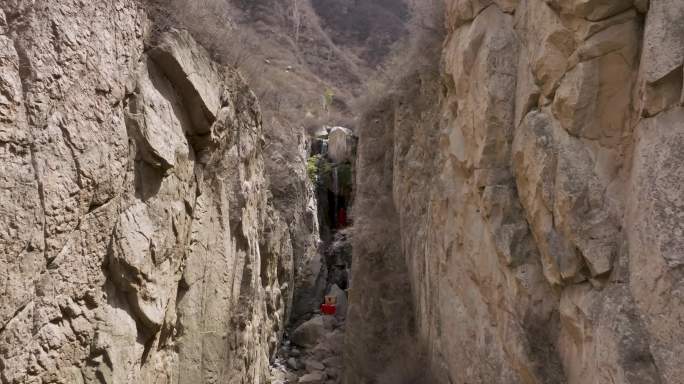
(352, 25)
(296, 51)
(538, 203)
(138, 240)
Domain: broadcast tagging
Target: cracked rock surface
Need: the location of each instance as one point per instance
(524, 201)
(138, 239)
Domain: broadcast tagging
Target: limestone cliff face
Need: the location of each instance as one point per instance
(138, 243)
(538, 207)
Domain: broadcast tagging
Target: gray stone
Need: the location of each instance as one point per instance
(340, 144)
(308, 333)
(313, 365)
(341, 306)
(313, 378)
(293, 363)
(523, 207)
(127, 209)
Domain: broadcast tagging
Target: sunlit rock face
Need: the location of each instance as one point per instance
(341, 144)
(138, 242)
(534, 187)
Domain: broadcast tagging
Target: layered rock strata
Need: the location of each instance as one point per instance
(138, 242)
(538, 207)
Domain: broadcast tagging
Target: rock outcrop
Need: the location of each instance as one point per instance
(341, 144)
(294, 197)
(520, 210)
(138, 242)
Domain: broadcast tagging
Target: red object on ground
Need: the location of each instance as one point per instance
(328, 309)
(341, 218)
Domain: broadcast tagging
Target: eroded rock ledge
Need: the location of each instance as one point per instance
(138, 242)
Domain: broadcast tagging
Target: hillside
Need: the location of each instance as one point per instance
(294, 53)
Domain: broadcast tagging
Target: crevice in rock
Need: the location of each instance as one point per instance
(311, 350)
(72, 150)
(95, 205)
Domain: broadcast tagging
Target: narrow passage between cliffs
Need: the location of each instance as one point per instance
(311, 350)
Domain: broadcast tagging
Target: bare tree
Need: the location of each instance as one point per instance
(238, 51)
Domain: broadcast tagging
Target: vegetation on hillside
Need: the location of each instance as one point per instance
(295, 53)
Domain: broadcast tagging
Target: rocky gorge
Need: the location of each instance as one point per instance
(507, 209)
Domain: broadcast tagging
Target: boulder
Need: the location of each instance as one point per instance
(293, 363)
(308, 334)
(341, 296)
(194, 75)
(340, 144)
(313, 378)
(313, 365)
(663, 57)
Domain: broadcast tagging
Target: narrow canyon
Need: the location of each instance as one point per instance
(342, 191)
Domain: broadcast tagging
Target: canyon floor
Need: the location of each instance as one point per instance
(315, 357)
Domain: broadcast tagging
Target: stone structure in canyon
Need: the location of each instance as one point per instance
(520, 208)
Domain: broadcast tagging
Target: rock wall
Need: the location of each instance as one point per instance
(294, 198)
(138, 242)
(535, 187)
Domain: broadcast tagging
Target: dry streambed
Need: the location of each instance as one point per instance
(312, 354)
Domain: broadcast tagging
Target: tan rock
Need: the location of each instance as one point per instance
(585, 29)
(462, 11)
(539, 231)
(527, 91)
(548, 41)
(592, 9)
(620, 38)
(188, 65)
(489, 55)
(137, 237)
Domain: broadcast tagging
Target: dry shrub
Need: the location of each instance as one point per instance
(259, 38)
(420, 52)
(239, 47)
(210, 23)
(357, 25)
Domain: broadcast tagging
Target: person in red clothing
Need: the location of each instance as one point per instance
(341, 218)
